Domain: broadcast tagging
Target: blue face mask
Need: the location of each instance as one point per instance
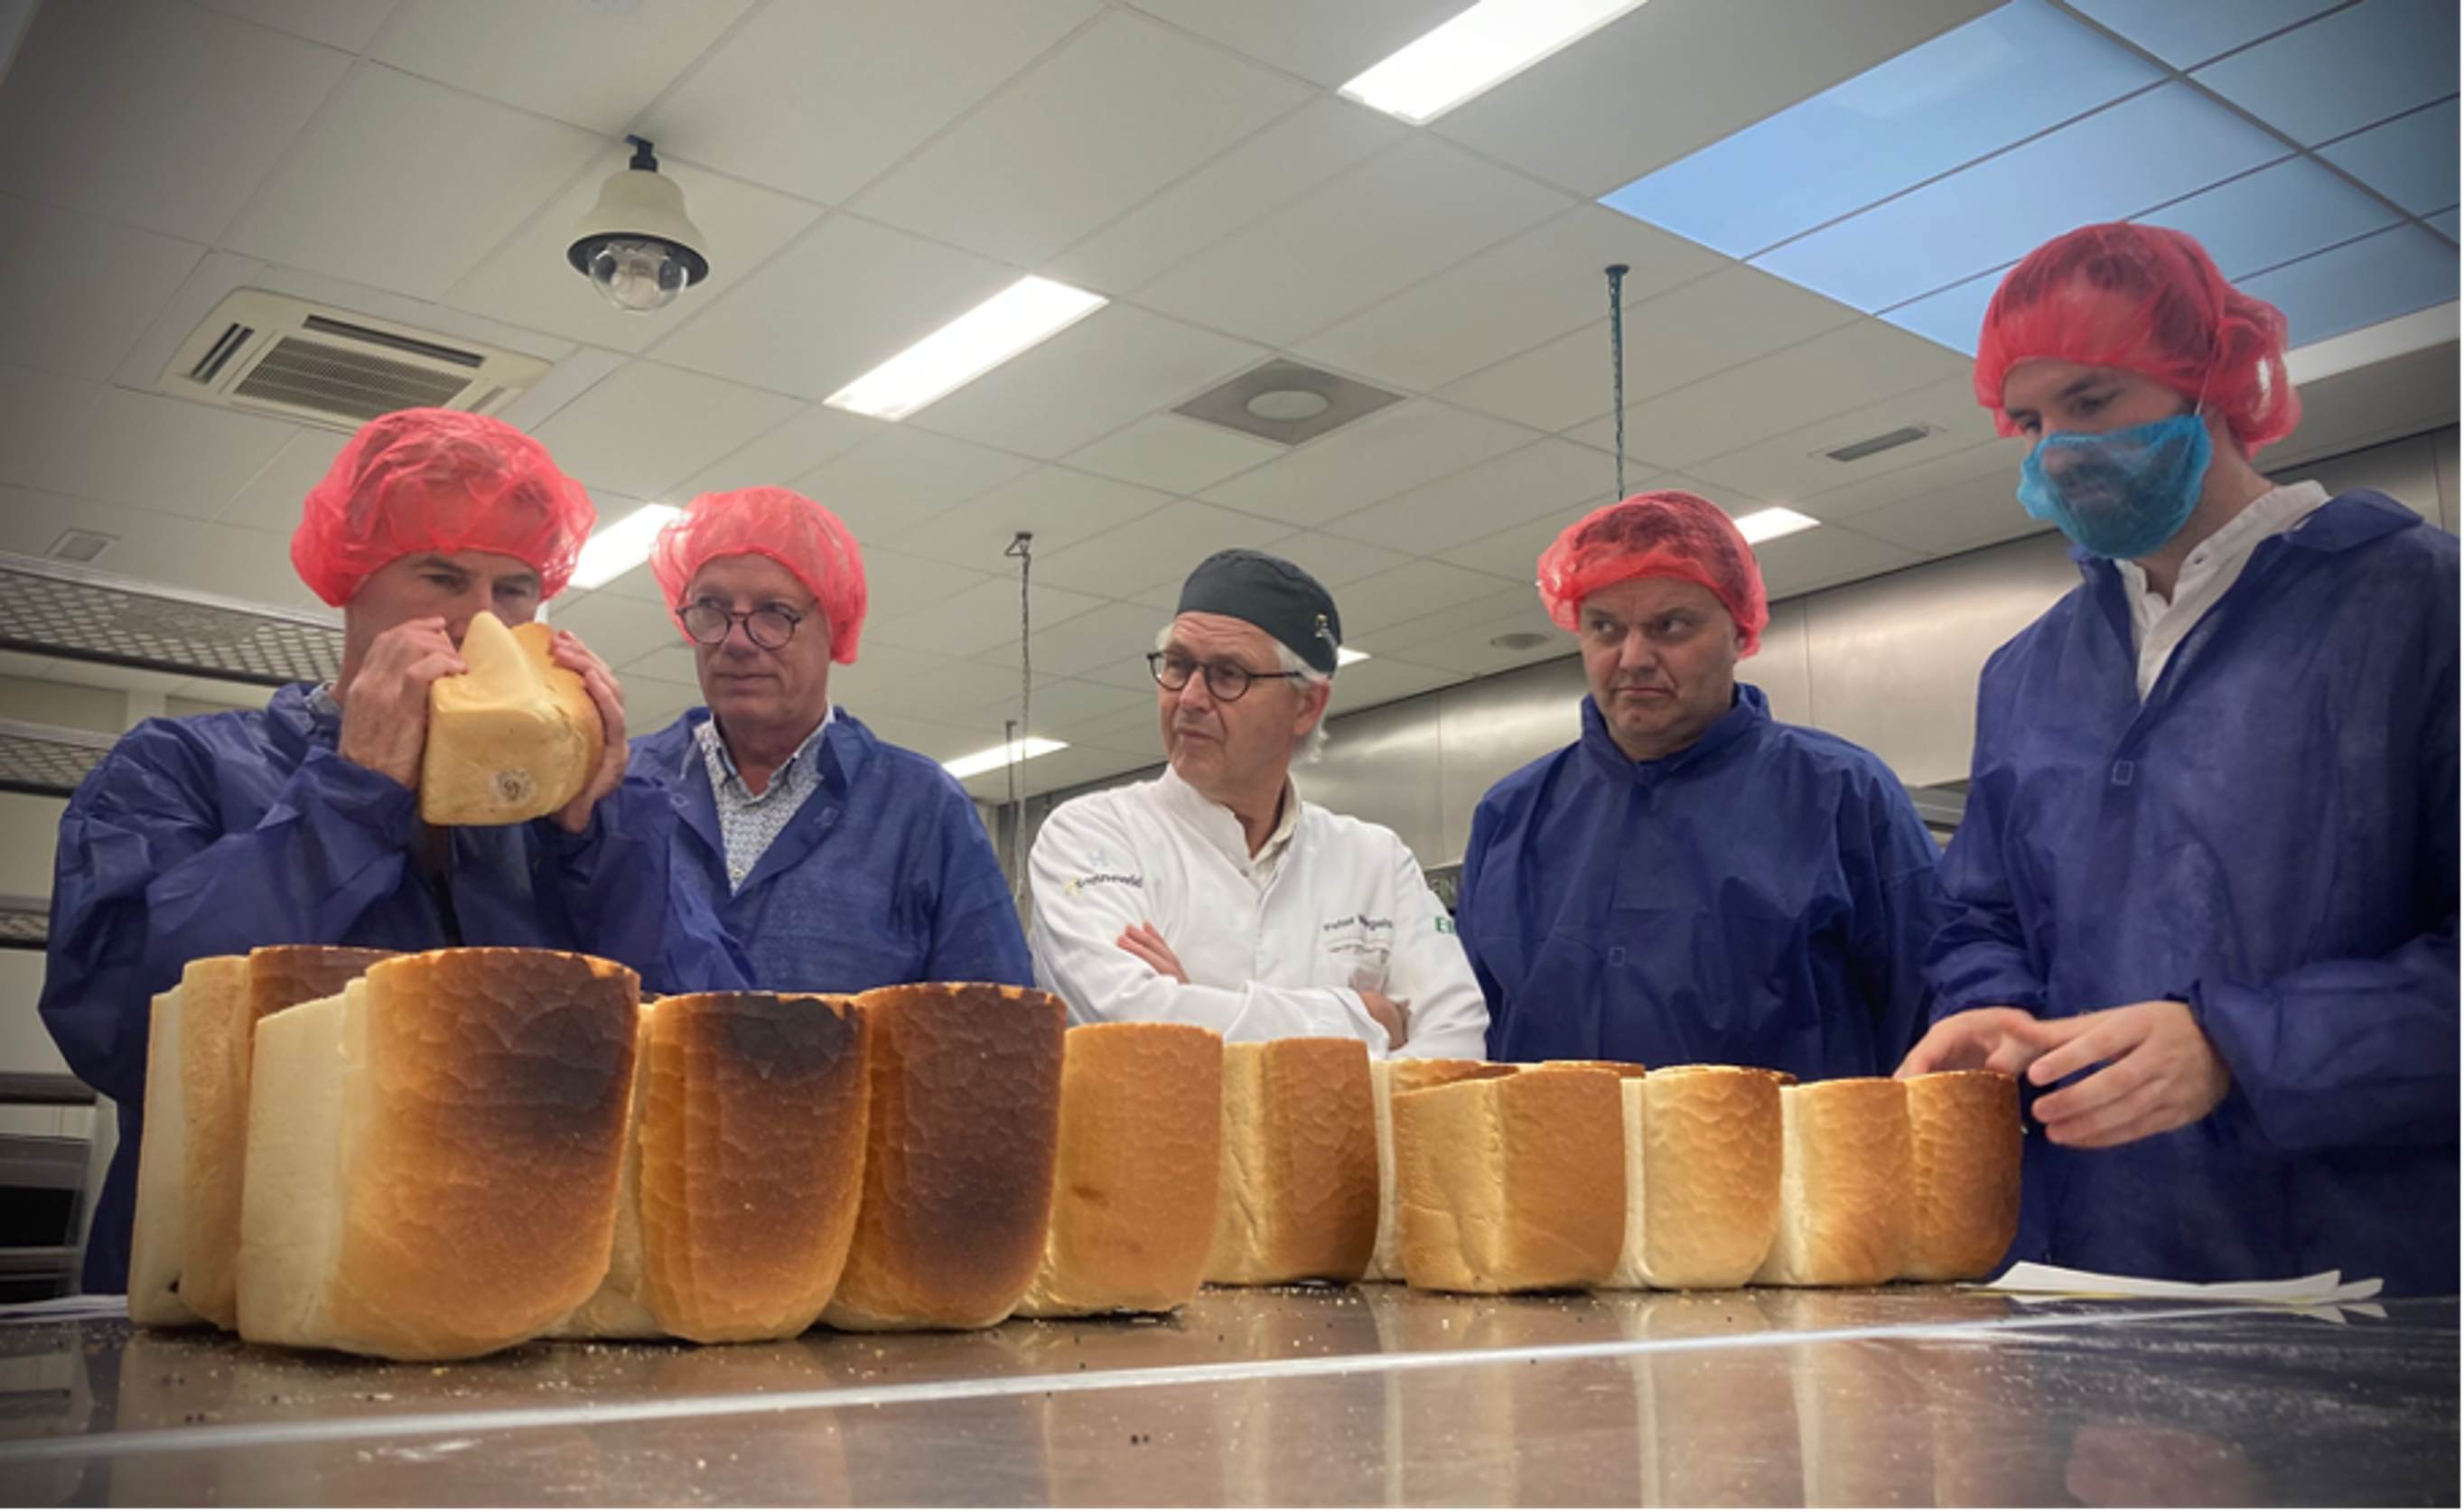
(2124, 494)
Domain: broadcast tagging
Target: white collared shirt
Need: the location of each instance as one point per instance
(2157, 625)
(1275, 945)
(748, 821)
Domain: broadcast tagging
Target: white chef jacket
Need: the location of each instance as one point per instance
(1275, 947)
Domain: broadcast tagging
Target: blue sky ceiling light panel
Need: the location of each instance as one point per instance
(1907, 191)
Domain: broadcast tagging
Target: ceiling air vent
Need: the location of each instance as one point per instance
(278, 355)
(1285, 400)
(1873, 446)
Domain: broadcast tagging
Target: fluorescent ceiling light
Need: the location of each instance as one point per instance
(967, 348)
(621, 547)
(1478, 50)
(1771, 524)
(1001, 755)
(2374, 344)
(1345, 656)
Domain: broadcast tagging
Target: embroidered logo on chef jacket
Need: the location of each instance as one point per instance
(1361, 936)
(1097, 879)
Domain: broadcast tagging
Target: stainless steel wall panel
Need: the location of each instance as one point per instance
(1382, 765)
(1494, 726)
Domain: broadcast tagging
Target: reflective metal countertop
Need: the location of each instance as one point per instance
(1905, 1397)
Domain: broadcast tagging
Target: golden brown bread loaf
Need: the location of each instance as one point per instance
(514, 738)
(1847, 1185)
(432, 1155)
(1514, 1183)
(1298, 1198)
(1386, 1078)
(743, 1172)
(959, 1151)
(1965, 1137)
(219, 1015)
(1703, 1176)
(1134, 1200)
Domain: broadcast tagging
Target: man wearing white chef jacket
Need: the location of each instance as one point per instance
(1213, 895)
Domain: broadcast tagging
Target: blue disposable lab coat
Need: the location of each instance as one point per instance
(1763, 897)
(216, 834)
(884, 876)
(2271, 837)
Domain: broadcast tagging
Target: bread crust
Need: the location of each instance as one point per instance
(1298, 1199)
(1964, 1135)
(1514, 1183)
(513, 738)
(1386, 1078)
(1847, 1185)
(1703, 1176)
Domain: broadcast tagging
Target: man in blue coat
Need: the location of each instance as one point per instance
(1692, 881)
(298, 824)
(838, 860)
(2207, 882)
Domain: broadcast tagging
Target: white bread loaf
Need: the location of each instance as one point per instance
(1963, 1128)
(514, 738)
(1702, 1174)
(1133, 1198)
(959, 1151)
(1514, 1183)
(432, 1156)
(219, 1018)
(1298, 1198)
(1847, 1185)
(742, 1171)
(1386, 1078)
(159, 1231)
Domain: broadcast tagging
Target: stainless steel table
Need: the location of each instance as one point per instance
(1914, 1396)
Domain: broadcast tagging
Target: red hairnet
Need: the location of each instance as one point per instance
(786, 527)
(2151, 300)
(439, 480)
(1664, 534)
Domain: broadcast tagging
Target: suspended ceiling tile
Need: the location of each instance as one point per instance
(1833, 553)
(275, 498)
(1675, 338)
(1961, 516)
(80, 292)
(846, 296)
(347, 25)
(1678, 74)
(1357, 239)
(529, 282)
(1996, 211)
(653, 704)
(977, 620)
(777, 457)
(2347, 70)
(1953, 317)
(155, 113)
(1052, 157)
(2444, 223)
(818, 98)
(1793, 466)
(595, 67)
(407, 184)
(1993, 463)
(671, 663)
(1541, 284)
(1332, 560)
(1153, 550)
(1050, 773)
(162, 455)
(935, 739)
(1174, 453)
(904, 476)
(571, 377)
(1085, 642)
(1375, 458)
(1365, 684)
(1059, 506)
(2400, 270)
(235, 563)
(1410, 592)
(1473, 651)
(621, 631)
(896, 582)
(1444, 619)
(647, 427)
(2189, 32)
(1835, 372)
(1546, 478)
(145, 543)
(1065, 705)
(1514, 552)
(916, 685)
(1247, 184)
(2279, 214)
(2411, 160)
(1325, 44)
(1131, 673)
(1115, 367)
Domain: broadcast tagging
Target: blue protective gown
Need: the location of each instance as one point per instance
(1763, 897)
(216, 834)
(884, 875)
(2270, 838)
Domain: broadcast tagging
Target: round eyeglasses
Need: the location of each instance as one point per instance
(1225, 681)
(768, 628)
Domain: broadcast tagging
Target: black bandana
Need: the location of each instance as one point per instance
(1271, 594)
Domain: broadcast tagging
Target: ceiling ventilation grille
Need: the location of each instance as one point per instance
(50, 608)
(280, 355)
(1873, 446)
(1287, 402)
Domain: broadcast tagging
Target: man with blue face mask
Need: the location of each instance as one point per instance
(2204, 898)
